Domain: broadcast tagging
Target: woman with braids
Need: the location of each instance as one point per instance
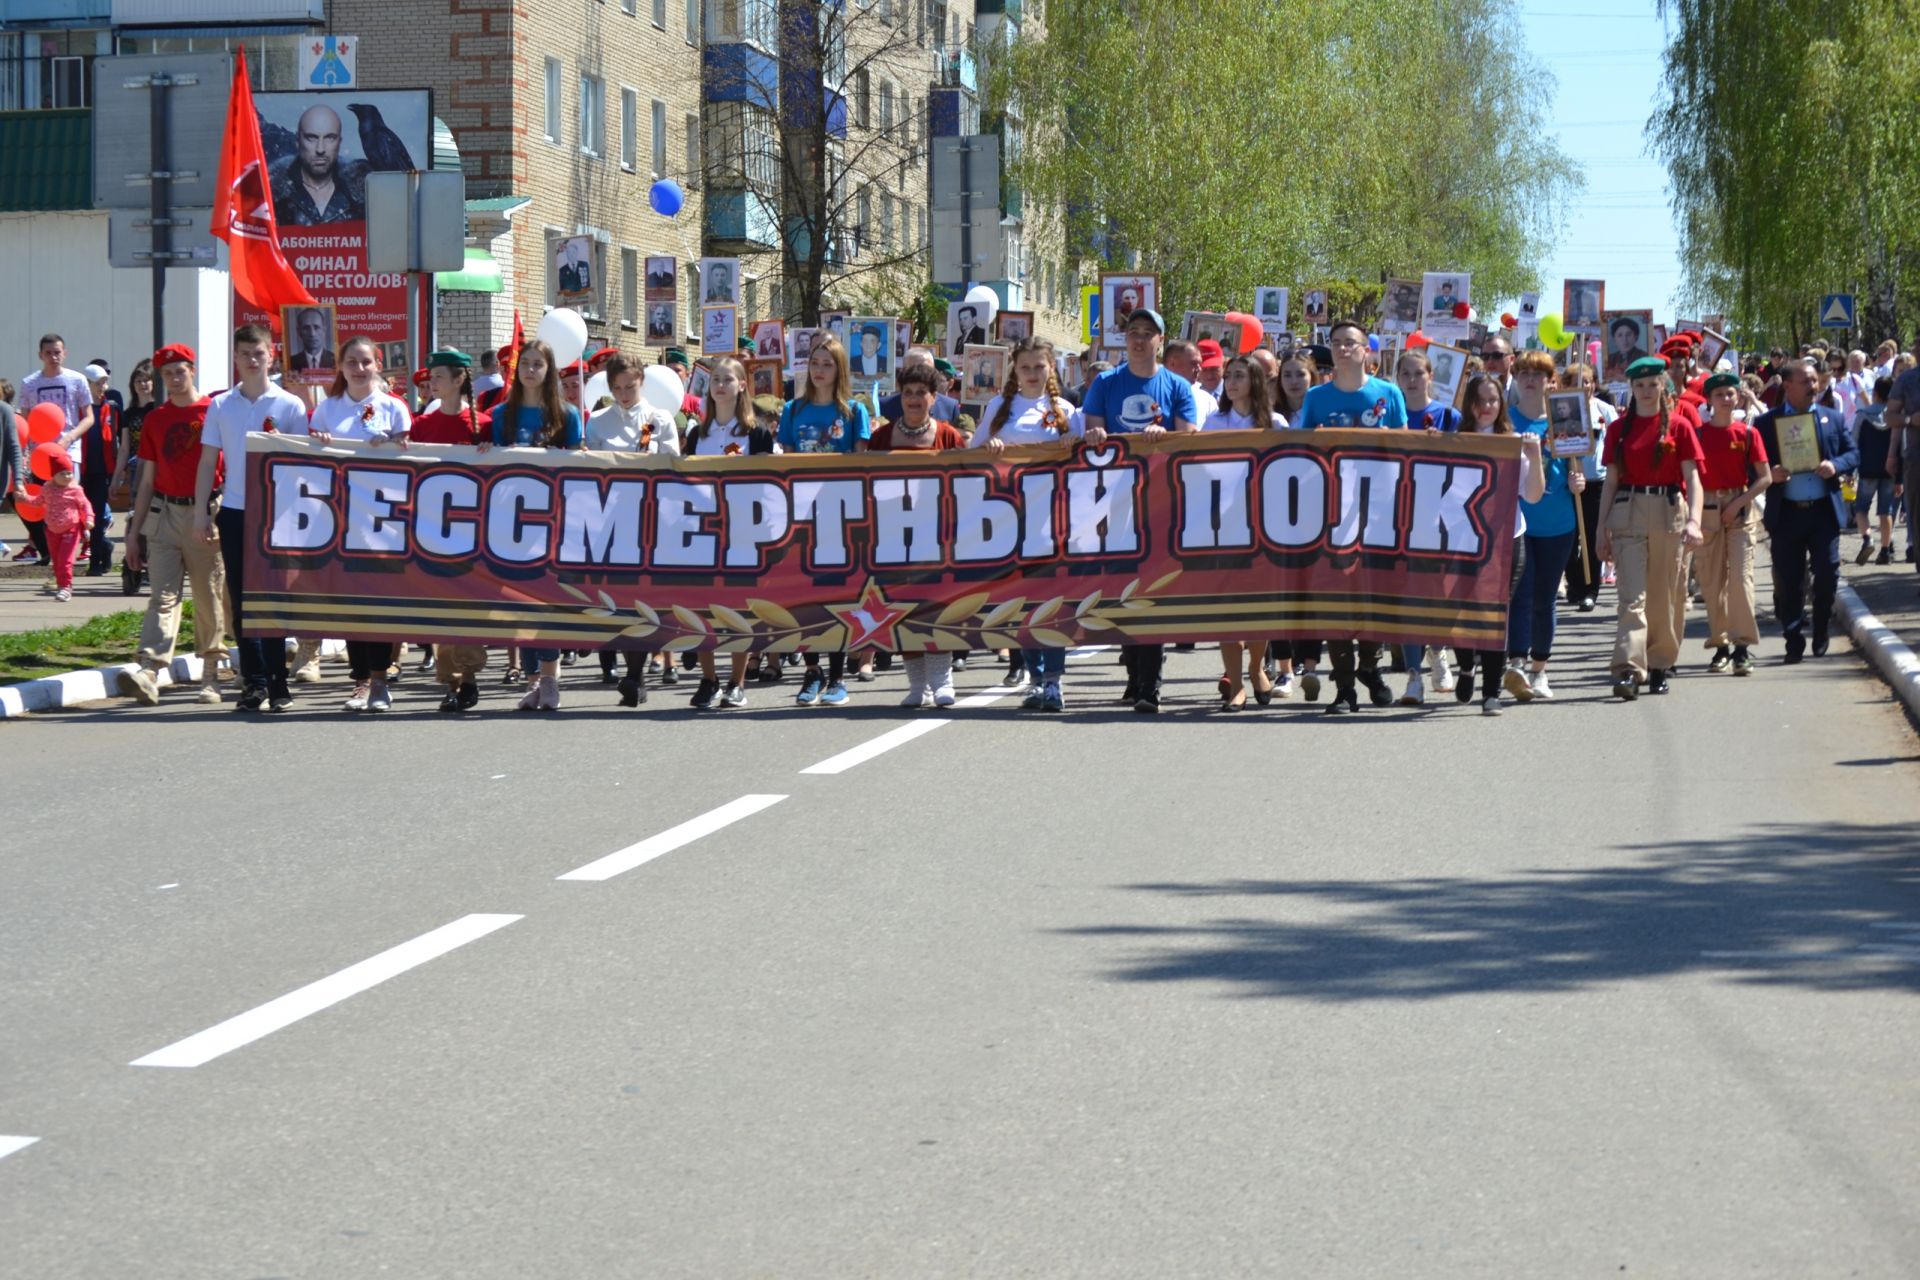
(1030, 410)
(535, 415)
(1652, 503)
(1243, 407)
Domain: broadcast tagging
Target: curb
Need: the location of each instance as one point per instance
(70, 689)
(51, 693)
(1886, 651)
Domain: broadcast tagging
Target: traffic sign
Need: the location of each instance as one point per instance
(1836, 311)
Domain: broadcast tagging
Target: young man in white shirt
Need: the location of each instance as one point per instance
(254, 404)
(1183, 358)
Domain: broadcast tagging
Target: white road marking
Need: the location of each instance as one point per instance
(876, 746)
(667, 841)
(243, 1029)
(10, 1144)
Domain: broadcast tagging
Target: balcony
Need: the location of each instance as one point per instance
(739, 221)
(954, 68)
(195, 13)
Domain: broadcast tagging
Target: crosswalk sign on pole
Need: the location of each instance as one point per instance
(1836, 311)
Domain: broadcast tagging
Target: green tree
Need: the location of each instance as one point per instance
(1245, 143)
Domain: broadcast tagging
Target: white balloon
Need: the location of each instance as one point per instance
(662, 388)
(597, 390)
(564, 331)
(986, 299)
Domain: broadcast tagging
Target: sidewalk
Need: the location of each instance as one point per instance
(25, 607)
(1890, 592)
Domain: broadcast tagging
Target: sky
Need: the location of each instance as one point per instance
(1606, 64)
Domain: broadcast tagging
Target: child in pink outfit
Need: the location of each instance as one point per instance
(69, 521)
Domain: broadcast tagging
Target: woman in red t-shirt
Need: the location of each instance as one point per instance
(929, 675)
(1652, 505)
(1733, 473)
(450, 382)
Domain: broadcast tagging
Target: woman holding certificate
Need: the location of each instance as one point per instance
(1652, 503)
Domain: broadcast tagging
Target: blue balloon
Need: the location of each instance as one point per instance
(1373, 342)
(666, 198)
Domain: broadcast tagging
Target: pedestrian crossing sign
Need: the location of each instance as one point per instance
(1836, 311)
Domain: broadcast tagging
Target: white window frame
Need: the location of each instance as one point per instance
(658, 139)
(691, 123)
(660, 14)
(593, 116)
(554, 129)
(629, 128)
(629, 287)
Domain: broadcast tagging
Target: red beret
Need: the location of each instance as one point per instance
(1211, 356)
(420, 377)
(601, 359)
(577, 369)
(173, 353)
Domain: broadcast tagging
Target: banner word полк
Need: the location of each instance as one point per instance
(1383, 535)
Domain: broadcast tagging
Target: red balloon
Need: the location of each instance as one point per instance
(45, 422)
(1417, 340)
(1251, 334)
(1461, 311)
(1508, 320)
(27, 503)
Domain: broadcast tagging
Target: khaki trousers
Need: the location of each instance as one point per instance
(1650, 579)
(453, 663)
(1724, 563)
(174, 558)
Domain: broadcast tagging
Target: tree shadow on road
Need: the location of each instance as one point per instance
(1832, 908)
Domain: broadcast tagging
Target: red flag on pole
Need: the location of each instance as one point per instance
(243, 208)
(510, 368)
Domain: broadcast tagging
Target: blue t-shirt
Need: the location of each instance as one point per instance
(1435, 417)
(532, 422)
(806, 427)
(1132, 403)
(1871, 433)
(1377, 403)
(1553, 514)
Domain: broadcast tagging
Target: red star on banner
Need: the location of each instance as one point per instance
(870, 620)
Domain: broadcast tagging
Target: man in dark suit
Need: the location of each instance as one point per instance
(311, 346)
(1805, 512)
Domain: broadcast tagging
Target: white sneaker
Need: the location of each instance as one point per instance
(1442, 670)
(306, 662)
(944, 696)
(1283, 687)
(1538, 683)
(209, 689)
(378, 699)
(1416, 693)
(1516, 684)
(918, 694)
(357, 700)
(63, 595)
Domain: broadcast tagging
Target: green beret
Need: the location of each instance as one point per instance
(768, 407)
(1720, 380)
(451, 358)
(1647, 367)
(676, 356)
(946, 366)
(746, 344)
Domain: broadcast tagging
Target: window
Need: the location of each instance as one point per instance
(750, 300)
(886, 221)
(863, 99)
(630, 288)
(660, 14)
(659, 139)
(693, 21)
(593, 115)
(552, 121)
(629, 128)
(630, 6)
(692, 124)
(886, 107)
(730, 20)
(692, 292)
(863, 221)
(923, 227)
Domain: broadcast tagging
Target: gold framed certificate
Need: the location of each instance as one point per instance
(1799, 437)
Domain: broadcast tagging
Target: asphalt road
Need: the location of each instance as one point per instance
(1585, 990)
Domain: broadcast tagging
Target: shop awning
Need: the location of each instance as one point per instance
(481, 274)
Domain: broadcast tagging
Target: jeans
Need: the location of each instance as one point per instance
(1343, 653)
(531, 657)
(1144, 664)
(1530, 619)
(1045, 664)
(263, 659)
(1583, 572)
(100, 550)
(369, 659)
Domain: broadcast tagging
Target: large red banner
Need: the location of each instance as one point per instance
(1383, 535)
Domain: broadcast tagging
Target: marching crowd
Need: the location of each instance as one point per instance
(1685, 479)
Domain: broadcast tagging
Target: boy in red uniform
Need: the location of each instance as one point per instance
(1733, 472)
(160, 533)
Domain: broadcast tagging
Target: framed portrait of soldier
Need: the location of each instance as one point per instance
(1713, 346)
(573, 271)
(1569, 427)
(1198, 326)
(1581, 303)
(663, 280)
(983, 373)
(1270, 305)
(764, 377)
(800, 346)
(1120, 297)
(966, 326)
(1449, 366)
(870, 357)
(719, 282)
(1625, 336)
(770, 340)
(660, 324)
(1313, 308)
(1014, 326)
(834, 325)
(311, 347)
(1400, 306)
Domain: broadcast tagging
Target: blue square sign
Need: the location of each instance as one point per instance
(1836, 311)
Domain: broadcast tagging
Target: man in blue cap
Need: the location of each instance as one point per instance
(1145, 398)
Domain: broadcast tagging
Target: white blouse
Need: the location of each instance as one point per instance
(378, 417)
(1227, 418)
(1024, 425)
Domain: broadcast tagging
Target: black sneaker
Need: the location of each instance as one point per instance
(632, 694)
(1345, 701)
(468, 695)
(1820, 643)
(1148, 704)
(1885, 556)
(1866, 551)
(1742, 661)
(1625, 687)
(1377, 691)
(1657, 681)
(1130, 695)
(704, 693)
(252, 698)
(1796, 648)
(279, 698)
(1586, 604)
(1722, 659)
(668, 675)
(1463, 685)
(451, 703)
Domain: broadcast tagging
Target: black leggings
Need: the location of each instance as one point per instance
(836, 665)
(369, 659)
(1493, 662)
